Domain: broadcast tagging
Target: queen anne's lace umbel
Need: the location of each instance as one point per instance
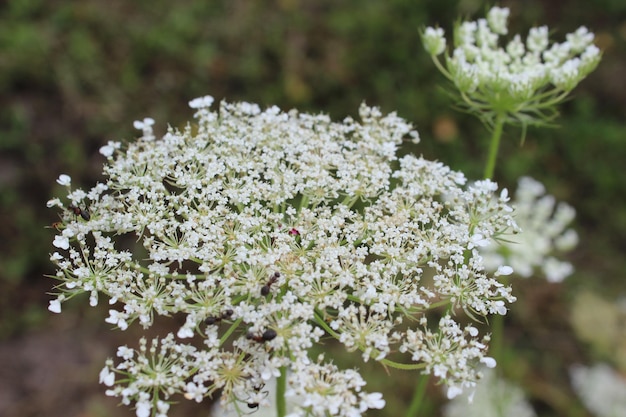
(266, 231)
(545, 234)
(522, 79)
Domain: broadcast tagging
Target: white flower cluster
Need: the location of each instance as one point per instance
(601, 388)
(313, 391)
(267, 230)
(493, 397)
(544, 232)
(523, 79)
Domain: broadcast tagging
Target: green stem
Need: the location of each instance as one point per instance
(281, 386)
(496, 344)
(497, 337)
(418, 397)
(494, 145)
(230, 331)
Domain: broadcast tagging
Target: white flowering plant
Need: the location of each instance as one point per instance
(266, 232)
(518, 82)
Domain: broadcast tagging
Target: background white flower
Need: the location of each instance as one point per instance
(544, 233)
(492, 397)
(601, 388)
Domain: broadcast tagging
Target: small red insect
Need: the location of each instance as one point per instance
(84, 213)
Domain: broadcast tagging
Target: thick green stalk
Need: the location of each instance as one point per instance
(418, 397)
(281, 386)
(494, 146)
(496, 345)
(497, 336)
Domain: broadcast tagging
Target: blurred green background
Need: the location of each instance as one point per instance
(75, 74)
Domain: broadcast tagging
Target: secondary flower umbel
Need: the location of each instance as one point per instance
(520, 80)
(267, 230)
(545, 235)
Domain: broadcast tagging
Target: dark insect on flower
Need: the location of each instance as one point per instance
(253, 405)
(265, 290)
(252, 336)
(216, 319)
(84, 213)
(267, 335)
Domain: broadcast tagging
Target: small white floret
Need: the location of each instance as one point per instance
(107, 377)
(143, 124)
(504, 270)
(184, 333)
(108, 149)
(61, 242)
(488, 361)
(372, 400)
(55, 306)
(200, 102)
(453, 391)
(64, 179)
(54, 202)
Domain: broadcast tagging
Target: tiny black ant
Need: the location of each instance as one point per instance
(267, 335)
(252, 336)
(84, 213)
(214, 319)
(265, 290)
(252, 404)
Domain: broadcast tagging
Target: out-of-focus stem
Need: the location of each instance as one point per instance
(490, 166)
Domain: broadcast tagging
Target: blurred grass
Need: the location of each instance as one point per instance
(76, 74)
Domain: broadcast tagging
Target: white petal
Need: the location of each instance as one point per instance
(184, 332)
(504, 270)
(54, 202)
(107, 377)
(453, 391)
(93, 299)
(200, 102)
(61, 242)
(489, 362)
(107, 150)
(64, 179)
(55, 306)
(143, 409)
